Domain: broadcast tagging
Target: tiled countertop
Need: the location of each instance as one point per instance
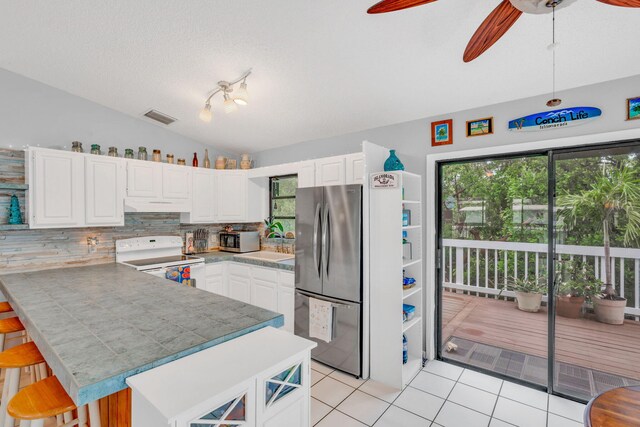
(98, 325)
(219, 256)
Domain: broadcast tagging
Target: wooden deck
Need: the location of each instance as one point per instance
(581, 342)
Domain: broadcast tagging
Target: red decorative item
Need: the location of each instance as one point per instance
(195, 160)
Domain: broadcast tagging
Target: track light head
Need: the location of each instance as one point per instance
(205, 113)
(241, 96)
(229, 104)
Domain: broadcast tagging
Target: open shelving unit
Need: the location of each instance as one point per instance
(390, 260)
(6, 189)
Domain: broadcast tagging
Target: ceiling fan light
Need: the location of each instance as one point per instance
(205, 113)
(229, 104)
(241, 96)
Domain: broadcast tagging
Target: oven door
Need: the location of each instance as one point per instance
(197, 274)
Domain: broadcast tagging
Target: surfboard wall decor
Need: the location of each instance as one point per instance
(546, 120)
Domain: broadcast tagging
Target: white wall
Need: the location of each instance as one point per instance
(32, 113)
(413, 139)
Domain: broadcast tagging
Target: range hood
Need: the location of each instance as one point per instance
(158, 206)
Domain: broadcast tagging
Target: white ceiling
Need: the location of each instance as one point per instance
(321, 68)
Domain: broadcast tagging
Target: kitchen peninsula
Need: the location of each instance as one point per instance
(96, 326)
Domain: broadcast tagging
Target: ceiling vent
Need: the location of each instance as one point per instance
(159, 117)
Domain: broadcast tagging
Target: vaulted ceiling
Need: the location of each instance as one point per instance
(320, 68)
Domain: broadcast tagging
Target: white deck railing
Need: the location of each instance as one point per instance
(486, 266)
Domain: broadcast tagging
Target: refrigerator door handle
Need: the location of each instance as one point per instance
(325, 229)
(316, 255)
(327, 241)
(333, 303)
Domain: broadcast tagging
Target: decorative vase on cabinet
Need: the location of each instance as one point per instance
(393, 163)
(207, 162)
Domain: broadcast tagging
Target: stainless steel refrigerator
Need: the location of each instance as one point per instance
(329, 268)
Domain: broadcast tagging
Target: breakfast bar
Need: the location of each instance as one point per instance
(98, 325)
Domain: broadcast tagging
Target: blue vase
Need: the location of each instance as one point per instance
(393, 163)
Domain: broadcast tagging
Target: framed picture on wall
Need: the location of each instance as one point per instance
(442, 133)
(633, 108)
(480, 127)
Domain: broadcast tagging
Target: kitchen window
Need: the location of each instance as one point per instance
(282, 197)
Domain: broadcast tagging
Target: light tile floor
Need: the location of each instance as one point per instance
(440, 395)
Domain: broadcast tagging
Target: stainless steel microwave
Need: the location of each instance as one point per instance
(239, 241)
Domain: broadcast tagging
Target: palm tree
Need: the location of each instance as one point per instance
(615, 191)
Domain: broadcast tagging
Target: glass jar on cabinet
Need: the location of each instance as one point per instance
(76, 147)
(142, 153)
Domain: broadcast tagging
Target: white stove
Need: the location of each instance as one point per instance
(161, 256)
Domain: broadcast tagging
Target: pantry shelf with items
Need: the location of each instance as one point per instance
(396, 277)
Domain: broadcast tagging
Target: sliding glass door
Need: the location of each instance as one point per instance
(494, 244)
(596, 342)
(508, 308)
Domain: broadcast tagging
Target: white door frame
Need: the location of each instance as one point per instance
(432, 183)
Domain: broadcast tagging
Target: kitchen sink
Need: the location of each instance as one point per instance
(267, 256)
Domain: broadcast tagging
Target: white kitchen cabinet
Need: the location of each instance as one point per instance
(231, 196)
(144, 179)
(55, 197)
(272, 390)
(216, 280)
(330, 171)
(287, 406)
(264, 294)
(354, 168)
(104, 191)
(203, 204)
(240, 288)
(307, 174)
(236, 407)
(264, 288)
(286, 298)
(239, 282)
(176, 181)
(286, 306)
(269, 288)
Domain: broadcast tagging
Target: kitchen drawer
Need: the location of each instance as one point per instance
(214, 269)
(265, 274)
(236, 269)
(287, 279)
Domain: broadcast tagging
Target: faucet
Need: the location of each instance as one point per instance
(281, 235)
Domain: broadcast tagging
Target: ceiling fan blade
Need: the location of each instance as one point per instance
(392, 5)
(497, 23)
(622, 3)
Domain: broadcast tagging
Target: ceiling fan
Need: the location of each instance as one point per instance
(499, 21)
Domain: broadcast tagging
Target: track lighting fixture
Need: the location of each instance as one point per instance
(231, 99)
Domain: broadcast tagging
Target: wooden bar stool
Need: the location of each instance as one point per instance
(13, 360)
(5, 307)
(44, 399)
(8, 326)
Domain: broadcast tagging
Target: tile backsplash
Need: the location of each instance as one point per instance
(26, 250)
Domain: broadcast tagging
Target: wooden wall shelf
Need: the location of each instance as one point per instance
(12, 227)
(12, 186)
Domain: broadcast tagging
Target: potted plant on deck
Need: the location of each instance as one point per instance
(614, 197)
(529, 292)
(577, 285)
